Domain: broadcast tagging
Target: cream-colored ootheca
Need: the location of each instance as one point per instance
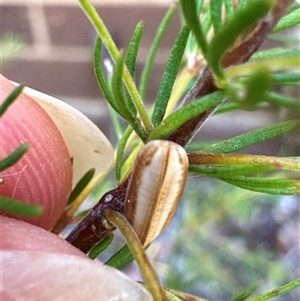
(155, 188)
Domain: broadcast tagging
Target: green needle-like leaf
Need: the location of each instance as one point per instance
(125, 108)
(265, 185)
(275, 53)
(283, 101)
(131, 59)
(100, 75)
(187, 112)
(241, 4)
(286, 78)
(118, 91)
(20, 208)
(230, 170)
(228, 8)
(81, 185)
(121, 259)
(102, 31)
(169, 76)
(256, 136)
(133, 48)
(10, 99)
(288, 21)
(15, 156)
(227, 107)
(216, 14)
(189, 10)
(153, 51)
(278, 291)
(101, 246)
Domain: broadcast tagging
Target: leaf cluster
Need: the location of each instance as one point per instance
(249, 85)
(214, 39)
(246, 85)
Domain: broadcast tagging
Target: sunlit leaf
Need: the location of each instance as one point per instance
(288, 21)
(253, 137)
(169, 76)
(272, 64)
(275, 53)
(190, 13)
(185, 113)
(230, 170)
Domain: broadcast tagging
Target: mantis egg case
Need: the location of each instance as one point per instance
(155, 188)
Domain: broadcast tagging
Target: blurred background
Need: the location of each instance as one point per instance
(223, 239)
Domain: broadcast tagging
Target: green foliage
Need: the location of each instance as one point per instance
(215, 249)
(244, 85)
(253, 137)
(81, 185)
(14, 157)
(121, 258)
(186, 113)
(20, 208)
(288, 21)
(168, 79)
(153, 51)
(10, 99)
(101, 246)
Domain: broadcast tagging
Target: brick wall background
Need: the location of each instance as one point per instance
(56, 57)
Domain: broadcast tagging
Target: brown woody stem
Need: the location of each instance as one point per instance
(93, 228)
(238, 54)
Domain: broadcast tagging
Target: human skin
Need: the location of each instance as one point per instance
(35, 263)
(43, 175)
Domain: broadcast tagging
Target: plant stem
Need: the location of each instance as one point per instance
(279, 291)
(151, 279)
(239, 54)
(102, 31)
